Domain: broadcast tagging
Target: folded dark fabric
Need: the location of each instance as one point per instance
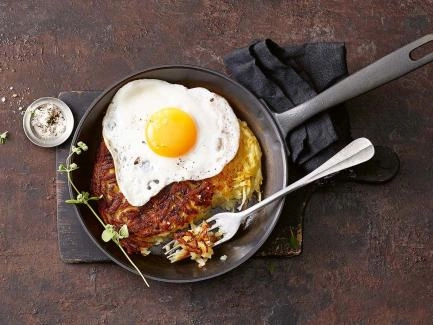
(286, 77)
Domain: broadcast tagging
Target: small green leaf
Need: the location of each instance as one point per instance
(83, 197)
(107, 234)
(293, 241)
(72, 201)
(82, 146)
(76, 150)
(123, 232)
(271, 267)
(67, 168)
(3, 137)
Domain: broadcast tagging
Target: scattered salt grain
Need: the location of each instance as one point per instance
(3, 99)
(14, 95)
(11, 88)
(223, 257)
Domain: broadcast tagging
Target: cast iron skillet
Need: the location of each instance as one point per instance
(269, 128)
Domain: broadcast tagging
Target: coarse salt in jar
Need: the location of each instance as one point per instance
(48, 122)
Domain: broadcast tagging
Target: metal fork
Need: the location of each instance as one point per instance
(227, 223)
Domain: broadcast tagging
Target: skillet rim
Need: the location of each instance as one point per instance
(278, 208)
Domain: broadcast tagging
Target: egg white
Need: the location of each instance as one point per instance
(140, 172)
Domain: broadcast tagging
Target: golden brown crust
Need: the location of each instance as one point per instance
(174, 208)
(178, 204)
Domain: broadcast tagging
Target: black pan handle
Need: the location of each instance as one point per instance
(386, 69)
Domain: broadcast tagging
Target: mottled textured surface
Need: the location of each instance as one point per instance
(368, 250)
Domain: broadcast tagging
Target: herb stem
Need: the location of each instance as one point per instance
(103, 224)
(83, 198)
(68, 158)
(132, 263)
(72, 183)
(95, 214)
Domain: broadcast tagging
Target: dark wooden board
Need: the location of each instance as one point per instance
(74, 244)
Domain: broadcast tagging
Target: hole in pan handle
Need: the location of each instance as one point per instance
(384, 70)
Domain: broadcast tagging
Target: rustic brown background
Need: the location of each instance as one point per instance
(368, 250)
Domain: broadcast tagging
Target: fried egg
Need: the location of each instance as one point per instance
(159, 133)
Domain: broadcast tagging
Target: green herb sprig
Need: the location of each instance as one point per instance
(3, 137)
(110, 232)
(293, 241)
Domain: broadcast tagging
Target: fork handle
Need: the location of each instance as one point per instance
(356, 152)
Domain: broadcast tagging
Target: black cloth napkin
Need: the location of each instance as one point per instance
(287, 76)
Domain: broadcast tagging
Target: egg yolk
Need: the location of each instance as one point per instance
(171, 132)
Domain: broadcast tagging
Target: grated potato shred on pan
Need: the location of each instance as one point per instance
(178, 204)
(234, 187)
(195, 243)
(242, 177)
